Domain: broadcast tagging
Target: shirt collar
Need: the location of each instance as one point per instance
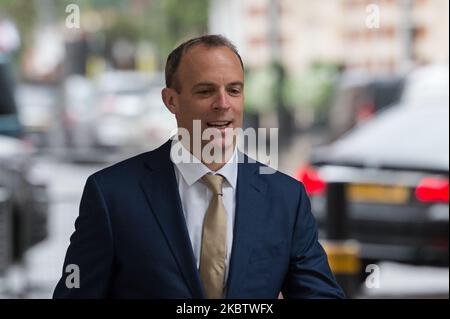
(192, 171)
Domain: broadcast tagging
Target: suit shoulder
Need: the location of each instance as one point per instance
(129, 168)
(279, 186)
(275, 178)
(121, 167)
(286, 182)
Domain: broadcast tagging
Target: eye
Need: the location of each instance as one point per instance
(234, 91)
(204, 91)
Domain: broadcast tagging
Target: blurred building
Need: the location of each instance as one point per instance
(409, 32)
(376, 36)
(432, 25)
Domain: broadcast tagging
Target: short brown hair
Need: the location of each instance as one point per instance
(174, 58)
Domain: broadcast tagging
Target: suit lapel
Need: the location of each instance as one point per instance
(250, 205)
(162, 194)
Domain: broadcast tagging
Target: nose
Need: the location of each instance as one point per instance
(221, 102)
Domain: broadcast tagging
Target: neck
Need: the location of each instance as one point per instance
(215, 166)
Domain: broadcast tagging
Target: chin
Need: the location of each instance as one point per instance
(226, 147)
(220, 143)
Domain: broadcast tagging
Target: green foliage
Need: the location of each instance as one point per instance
(165, 23)
(312, 89)
(259, 89)
(21, 12)
(174, 21)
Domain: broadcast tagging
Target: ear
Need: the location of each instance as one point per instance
(169, 97)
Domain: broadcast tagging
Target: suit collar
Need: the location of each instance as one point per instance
(160, 188)
(251, 203)
(191, 169)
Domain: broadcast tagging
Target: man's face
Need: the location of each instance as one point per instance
(211, 90)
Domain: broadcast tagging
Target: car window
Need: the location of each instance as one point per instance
(9, 118)
(386, 93)
(7, 101)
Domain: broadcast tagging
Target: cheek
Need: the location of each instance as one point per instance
(194, 108)
(189, 113)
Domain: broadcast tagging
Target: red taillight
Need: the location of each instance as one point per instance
(365, 112)
(432, 189)
(314, 184)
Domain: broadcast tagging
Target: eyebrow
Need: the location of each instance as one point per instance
(235, 83)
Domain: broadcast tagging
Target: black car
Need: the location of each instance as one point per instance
(386, 185)
(9, 117)
(23, 198)
(24, 201)
(359, 97)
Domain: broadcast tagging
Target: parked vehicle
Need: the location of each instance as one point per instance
(9, 119)
(118, 112)
(23, 196)
(38, 111)
(130, 111)
(26, 195)
(427, 86)
(359, 97)
(394, 178)
(79, 113)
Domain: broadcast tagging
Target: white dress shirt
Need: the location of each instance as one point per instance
(196, 196)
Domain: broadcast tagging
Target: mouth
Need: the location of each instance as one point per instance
(219, 124)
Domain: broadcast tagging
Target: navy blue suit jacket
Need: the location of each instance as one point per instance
(131, 239)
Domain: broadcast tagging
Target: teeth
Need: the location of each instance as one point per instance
(218, 123)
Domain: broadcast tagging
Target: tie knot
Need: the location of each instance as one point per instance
(214, 182)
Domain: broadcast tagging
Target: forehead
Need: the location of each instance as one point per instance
(209, 63)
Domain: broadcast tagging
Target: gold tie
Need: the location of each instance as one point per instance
(214, 241)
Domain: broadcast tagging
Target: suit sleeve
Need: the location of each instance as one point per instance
(309, 275)
(90, 250)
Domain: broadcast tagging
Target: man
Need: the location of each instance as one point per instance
(160, 226)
